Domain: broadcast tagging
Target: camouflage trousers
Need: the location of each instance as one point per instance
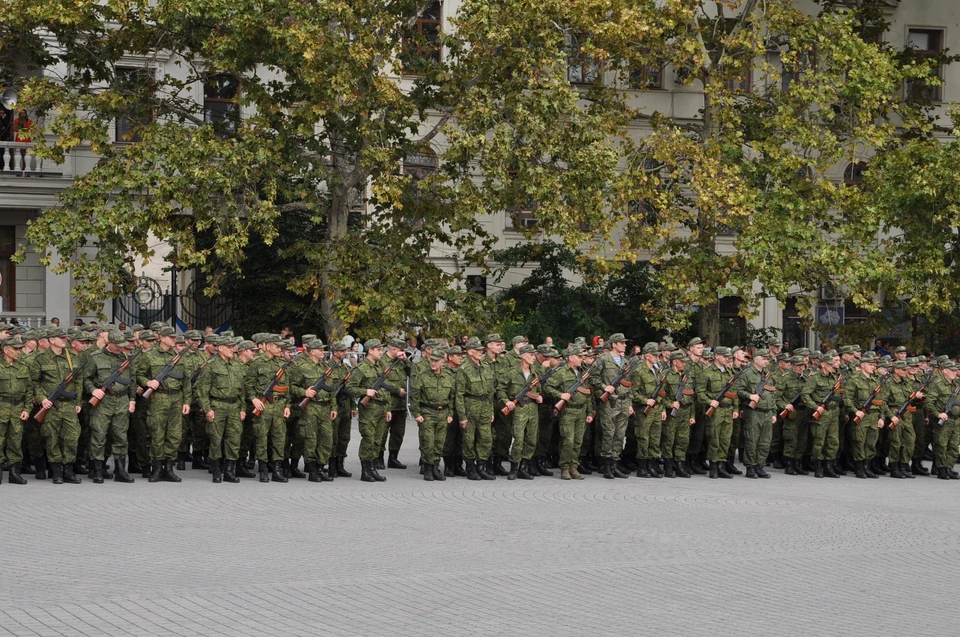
(270, 432)
(718, 432)
(315, 430)
(61, 432)
(525, 430)
(433, 435)
(110, 419)
(573, 422)
(223, 434)
(11, 434)
(901, 440)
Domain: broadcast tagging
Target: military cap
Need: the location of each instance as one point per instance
(195, 335)
(815, 356)
(181, 339)
(473, 343)
(6, 327)
(580, 340)
(846, 349)
(552, 352)
(650, 348)
(948, 364)
(372, 344)
(722, 351)
(900, 348)
(246, 345)
(257, 338)
(696, 340)
(230, 334)
(156, 325)
(735, 349)
(136, 326)
(668, 347)
(679, 355)
(526, 349)
(773, 340)
(399, 343)
(912, 361)
(573, 350)
(214, 339)
(597, 351)
(900, 364)
(339, 346)
(13, 341)
(856, 347)
(796, 360)
(55, 332)
(802, 351)
(287, 345)
(617, 338)
(166, 330)
(264, 338)
(92, 328)
(783, 356)
(882, 364)
(517, 340)
(543, 348)
(73, 330)
(829, 353)
(30, 335)
(437, 356)
(869, 357)
(708, 356)
(922, 359)
(86, 337)
(885, 358)
(494, 338)
(762, 352)
(456, 350)
(943, 357)
(148, 336)
(432, 342)
(19, 330)
(306, 338)
(314, 343)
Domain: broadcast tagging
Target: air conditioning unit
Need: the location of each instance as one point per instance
(528, 222)
(828, 292)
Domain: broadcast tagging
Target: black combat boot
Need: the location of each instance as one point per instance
(789, 467)
(341, 470)
(200, 460)
(69, 475)
(761, 473)
(779, 461)
(681, 470)
(541, 463)
(608, 468)
(472, 470)
(905, 470)
(482, 470)
(169, 475)
(642, 469)
(15, 477)
(365, 474)
(229, 469)
(241, 470)
(722, 472)
(148, 469)
(263, 471)
(325, 476)
(96, 471)
(732, 469)
(618, 471)
(134, 466)
(830, 469)
(713, 471)
(119, 470)
(378, 463)
(858, 469)
(817, 468)
(155, 473)
(895, 471)
(448, 466)
(217, 473)
(751, 472)
(56, 470)
(866, 470)
(426, 470)
(181, 461)
(668, 468)
(376, 473)
(437, 472)
(393, 462)
(295, 468)
(653, 468)
(917, 468)
(498, 469)
(26, 466)
(284, 467)
(80, 467)
(514, 469)
(458, 469)
(695, 468)
(277, 473)
(942, 474)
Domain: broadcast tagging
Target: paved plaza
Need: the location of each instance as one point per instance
(789, 555)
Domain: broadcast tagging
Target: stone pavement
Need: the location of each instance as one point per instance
(675, 557)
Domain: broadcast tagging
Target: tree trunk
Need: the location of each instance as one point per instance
(707, 231)
(710, 324)
(337, 216)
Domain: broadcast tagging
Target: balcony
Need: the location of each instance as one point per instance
(17, 160)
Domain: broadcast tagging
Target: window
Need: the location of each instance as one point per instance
(423, 47)
(647, 78)
(642, 213)
(853, 173)
(133, 82)
(420, 164)
(477, 283)
(581, 68)
(8, 283)
(733, 327)
(794, 71)
(793, 329)
(925, 43)
(741, 84)
(220, 106)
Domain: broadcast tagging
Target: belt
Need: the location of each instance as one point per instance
(229, 401)
(430, 407)
(168, 391)
(477, 396)
(10, 399)
(582, 405)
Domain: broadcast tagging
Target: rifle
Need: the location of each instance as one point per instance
(60, 392)
(786, 412)
(760, 389)
(167, 371)
(116, 376)
(320, 384)
(913, 395)
(657, 391)
(680, 389)
(267, 395)
(725, 392)
(828, 397)
(950, 405)
(869, 402)
(196, 374)
(381, 380)
(560, 406)
(534, 380)
(624, 372)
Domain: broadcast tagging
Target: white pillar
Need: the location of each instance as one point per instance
(56, 292)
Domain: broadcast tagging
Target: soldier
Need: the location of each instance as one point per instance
(647, 413)
(760, 405)
(502, 430)
(221, 398)
(375, 415)
(431, 404)
(138, 438)
(617, 409)
(15, 400)
(514, 377)
(111, 416)
(794, 426)
(345, 408)
(945, 436)
(577, 412)
(474, 394)
(61, 428)
(33, 441)
(860, 388)
(678, 402)
(895, 393)
(825, 424)
(719, 427)
(776, 442)
(589, 357)
(168, 404)
(195, 444)
(269, 427)
(697, 366)
(315, 423)
(396, 384)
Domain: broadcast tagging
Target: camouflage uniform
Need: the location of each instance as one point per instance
(314, 426)
(61, 428)
(432, 399)
(473, 402)
(16, 397)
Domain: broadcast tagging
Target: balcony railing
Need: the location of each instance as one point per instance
(17, 159)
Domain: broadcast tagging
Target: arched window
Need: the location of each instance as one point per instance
(420, 163)
(853, 173)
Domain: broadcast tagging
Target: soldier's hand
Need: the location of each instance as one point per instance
(589, 419)
(419, 419)
(47, 404)
(78, 408)
(186, 410)
(389, 416)
(98, 394)
(538, 399)
(820, 410)
(632, 412)
(693, 421)
(754, 398)
(773, 419)
(565, 396)
(353, 413)
(286, 412)
(211, 415)
(371, 393)
(880, 423)
(132, 407)
(676, 404)
(403, 393)
(24, 415)
(920, 394)
(942, 416)
(153, 384)
(510, 405)
(790, 408)
(257, 404)
(491, 420)
(333, 415)
(860, 414)
(243, 415)
(663, 416)
(736, 415)
(894, 420)
(310, 393)
(463, 424)
(449, 419)
(610, 389)
(651, 402)
(714, 403)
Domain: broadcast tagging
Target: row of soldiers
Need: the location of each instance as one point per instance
(231, 405)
